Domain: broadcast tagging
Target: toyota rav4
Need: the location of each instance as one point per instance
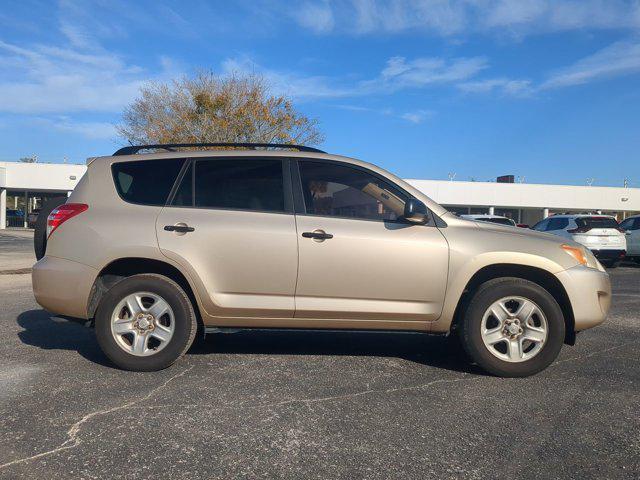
(152, 247)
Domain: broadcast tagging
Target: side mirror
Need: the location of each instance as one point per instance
(415, 211)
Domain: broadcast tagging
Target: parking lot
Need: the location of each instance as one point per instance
(311, 405)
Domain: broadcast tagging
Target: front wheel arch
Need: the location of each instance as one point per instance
(541, 277)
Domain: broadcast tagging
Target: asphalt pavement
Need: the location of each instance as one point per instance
(314, 405)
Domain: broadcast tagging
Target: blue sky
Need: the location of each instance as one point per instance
(544, 89)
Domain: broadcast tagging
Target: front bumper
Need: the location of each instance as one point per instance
(63, 286)
(589, 292)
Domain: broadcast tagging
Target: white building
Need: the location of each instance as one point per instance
(28, 184)
(528, 202)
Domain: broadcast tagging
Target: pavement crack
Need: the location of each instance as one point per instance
(347, 396)
(592, 354)
(74, 440)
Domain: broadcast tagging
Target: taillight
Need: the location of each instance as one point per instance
(63, 213)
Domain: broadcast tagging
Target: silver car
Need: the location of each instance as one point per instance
(152, 247)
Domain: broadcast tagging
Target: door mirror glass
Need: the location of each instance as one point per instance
(415, 211)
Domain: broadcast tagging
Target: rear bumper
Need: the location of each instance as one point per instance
(606, 254)
(589, 292)
(63, 286)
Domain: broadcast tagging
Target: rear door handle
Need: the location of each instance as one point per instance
(317, 235)
(179, 228)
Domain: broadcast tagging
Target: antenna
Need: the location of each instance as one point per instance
(590, 181)
(452, 176)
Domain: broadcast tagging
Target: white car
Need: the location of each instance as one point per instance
(599, 233)
(631, 226)
(490, 218)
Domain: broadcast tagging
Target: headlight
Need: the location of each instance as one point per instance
(582, 255)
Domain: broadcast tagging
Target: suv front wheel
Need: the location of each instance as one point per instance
(512, 327)
(145, 323)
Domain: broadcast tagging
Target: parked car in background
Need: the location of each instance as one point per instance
(499, 219)
(32, 217)
(631, 227)
(15, 218)
(599, 233)
(150, 247)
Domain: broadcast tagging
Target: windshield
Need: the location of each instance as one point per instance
(596, 222)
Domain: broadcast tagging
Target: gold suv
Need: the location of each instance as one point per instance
(150, 247)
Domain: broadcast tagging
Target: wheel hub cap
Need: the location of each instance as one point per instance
(514, 329)
(142, 323)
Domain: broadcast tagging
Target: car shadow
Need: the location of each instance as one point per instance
(45, 331)
(434, 351)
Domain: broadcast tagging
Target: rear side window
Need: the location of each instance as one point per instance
(596, 222)
(146, 182)
(236, 183)
(541, 226)
(558, 224)
(631, 224)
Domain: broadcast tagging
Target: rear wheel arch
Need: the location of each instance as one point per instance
(541, 277)
(123, 268)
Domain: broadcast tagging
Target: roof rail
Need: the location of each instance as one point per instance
(133, 149)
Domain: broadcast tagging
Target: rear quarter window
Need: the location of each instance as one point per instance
(146, 182)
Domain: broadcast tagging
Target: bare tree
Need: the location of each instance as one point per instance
(211, 108)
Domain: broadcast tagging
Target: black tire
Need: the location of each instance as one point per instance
(184, 329)
(494, 290)
(40, 228)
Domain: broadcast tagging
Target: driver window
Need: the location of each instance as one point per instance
(336, 190)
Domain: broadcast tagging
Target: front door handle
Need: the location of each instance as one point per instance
(317, 235)
(179, 228)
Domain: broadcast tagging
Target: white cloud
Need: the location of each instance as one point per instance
(287, 82)
(457, 17)
(315, 16)
(503, 85)
(417, 116)
(91, 130)
(620, 58)
(440, 16)
(617, 59)
(397, 74)
(400, 73)
(536, 16)
(45, 79)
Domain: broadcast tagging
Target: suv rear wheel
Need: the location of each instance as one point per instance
(145, 323)
(513, 327)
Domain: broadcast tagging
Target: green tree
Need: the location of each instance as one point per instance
(212, 108)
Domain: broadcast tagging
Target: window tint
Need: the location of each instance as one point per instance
(146, 182)
(627, 224)
(596, 222)
(541, 226)
(336, 190)
(184, 193)
(244, 184)
(558, 224)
